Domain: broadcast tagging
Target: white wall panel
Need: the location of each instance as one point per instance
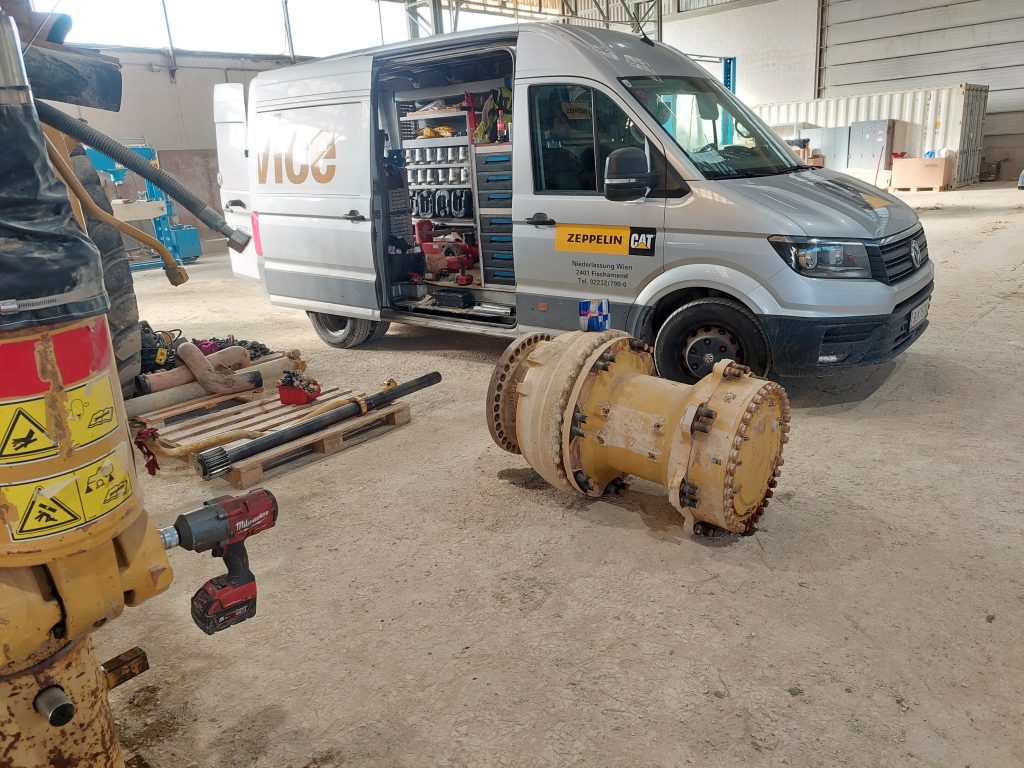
(975, 35)
(773, 42)
(171, 114)
(841, 11)
(934, 65)
(949, 15)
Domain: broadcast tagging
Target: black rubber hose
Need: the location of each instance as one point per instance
(237, 240)
(217, 461)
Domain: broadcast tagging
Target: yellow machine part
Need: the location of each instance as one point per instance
(88, 740)
(76, 544)
(587, 411)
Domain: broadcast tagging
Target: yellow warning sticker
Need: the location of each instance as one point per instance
(51, 505)
(614, 241)
(24, 433)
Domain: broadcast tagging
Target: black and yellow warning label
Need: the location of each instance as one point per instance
(51, 505)
(614, 241)
(26, 436)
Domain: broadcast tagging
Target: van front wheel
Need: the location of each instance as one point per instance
(699, 334)
(344, 332)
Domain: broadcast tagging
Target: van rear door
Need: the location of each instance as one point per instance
(312, 157)
(233, 172)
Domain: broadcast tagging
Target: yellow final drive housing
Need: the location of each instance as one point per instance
(587, 411)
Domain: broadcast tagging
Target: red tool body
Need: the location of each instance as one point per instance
(221, 526)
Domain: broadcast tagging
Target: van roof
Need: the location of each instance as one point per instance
(551, 47)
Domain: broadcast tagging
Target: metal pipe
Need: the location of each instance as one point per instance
(288, 31)
(170, 42)
(217, 461)
(269, 370)
(53, 704)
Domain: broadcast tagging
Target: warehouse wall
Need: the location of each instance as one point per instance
(883, 45)
(174, 116)
(773, 42)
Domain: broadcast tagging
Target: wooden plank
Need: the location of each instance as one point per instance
(259, 415)
(249, 472)
(160, 417)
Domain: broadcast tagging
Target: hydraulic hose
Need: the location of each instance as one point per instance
(176, 273)
(237, 240)
(217, 461)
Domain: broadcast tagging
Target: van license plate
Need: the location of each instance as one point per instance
(918, 314)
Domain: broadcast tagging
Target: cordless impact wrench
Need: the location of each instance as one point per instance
(222, 525)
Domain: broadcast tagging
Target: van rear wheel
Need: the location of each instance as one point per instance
(344, 332)
(699, 334)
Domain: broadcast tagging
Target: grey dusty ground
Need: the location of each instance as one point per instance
(427, 600)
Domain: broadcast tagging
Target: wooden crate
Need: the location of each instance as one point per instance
(269, 415)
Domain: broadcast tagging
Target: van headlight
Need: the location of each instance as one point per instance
(812, 257)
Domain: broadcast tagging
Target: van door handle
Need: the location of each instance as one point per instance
(354, 216)
(232, 204)
(540, 220)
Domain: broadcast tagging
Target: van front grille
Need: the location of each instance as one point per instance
(892, 262)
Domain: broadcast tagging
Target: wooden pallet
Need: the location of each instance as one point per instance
(269, 415)
(172, 414)
(918, 189)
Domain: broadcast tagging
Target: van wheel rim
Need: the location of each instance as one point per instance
(334, 323)
(708, 344)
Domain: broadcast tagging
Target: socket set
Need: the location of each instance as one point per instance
(436, 156)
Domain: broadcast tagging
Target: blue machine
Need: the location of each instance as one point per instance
(181, 240)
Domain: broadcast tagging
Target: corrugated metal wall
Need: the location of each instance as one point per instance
(933, 119)
(884, 45)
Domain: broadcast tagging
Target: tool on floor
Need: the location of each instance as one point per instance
(586, 411)
(217, 461)
(222, 525)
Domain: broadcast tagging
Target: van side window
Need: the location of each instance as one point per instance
(562, 130)
(574, 129)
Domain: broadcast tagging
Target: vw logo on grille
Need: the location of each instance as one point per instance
(915, 253)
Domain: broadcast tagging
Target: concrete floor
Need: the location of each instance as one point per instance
(427, 600)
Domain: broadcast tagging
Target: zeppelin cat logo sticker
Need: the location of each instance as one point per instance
(614, 241)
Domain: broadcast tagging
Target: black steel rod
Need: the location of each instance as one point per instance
(217, 461)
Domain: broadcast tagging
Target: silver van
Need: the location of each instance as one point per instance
(553, 177)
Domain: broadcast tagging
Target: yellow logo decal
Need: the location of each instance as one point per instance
(23, 429)
(613, 241)
(61, 502)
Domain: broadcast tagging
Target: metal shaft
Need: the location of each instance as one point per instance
(217, 461)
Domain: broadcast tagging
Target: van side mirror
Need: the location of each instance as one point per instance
(628, 175)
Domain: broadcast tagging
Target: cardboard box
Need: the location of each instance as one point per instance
(817, 161)
(921, 172)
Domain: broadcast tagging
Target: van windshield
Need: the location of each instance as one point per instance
(719, 135)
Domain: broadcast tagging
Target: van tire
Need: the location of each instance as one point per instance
(379, 329)
(725, 327)
(342, 332)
